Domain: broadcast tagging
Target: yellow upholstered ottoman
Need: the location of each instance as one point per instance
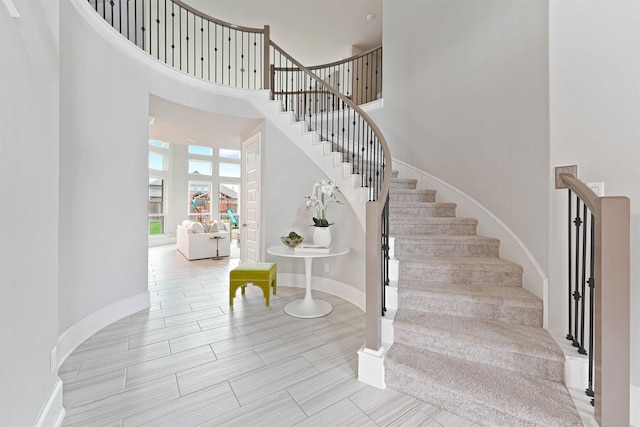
(262, 274)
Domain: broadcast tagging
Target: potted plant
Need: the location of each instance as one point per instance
(324, 193)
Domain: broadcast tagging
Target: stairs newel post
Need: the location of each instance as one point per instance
(266, 78)
(373, 335)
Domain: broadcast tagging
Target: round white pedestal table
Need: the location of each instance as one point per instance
(308, 307)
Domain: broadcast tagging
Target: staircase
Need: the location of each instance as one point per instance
(467, 337)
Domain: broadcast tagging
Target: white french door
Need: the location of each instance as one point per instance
(250, 232)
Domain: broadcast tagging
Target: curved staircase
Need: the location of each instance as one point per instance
(467, 337)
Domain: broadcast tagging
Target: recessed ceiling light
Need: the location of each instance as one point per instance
(371, 16)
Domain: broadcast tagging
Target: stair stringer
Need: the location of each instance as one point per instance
(534, 279)
(314, 148)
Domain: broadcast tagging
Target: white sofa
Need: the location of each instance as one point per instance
(194, 243)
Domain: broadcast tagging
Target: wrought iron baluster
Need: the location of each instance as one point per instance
(583, 257)
(589, 390)
(570, 281)
(576, 292)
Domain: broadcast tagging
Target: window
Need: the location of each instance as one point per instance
(159, 144)
(200, 167)
(156, 206)
(231, 170)
(156, 161)
(199, 201)
(229, 154)
(228, 203)
(203, 151)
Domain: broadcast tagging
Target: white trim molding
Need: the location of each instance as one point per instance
(86, 327)
(52, 412)
(321, 284)
(371, 366)
(634, 397)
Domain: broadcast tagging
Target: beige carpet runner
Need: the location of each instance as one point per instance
(468, 337)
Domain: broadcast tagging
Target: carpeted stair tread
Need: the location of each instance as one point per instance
(411, 195)
(520, 348)
(451, 239)
(499, 295)
(464, 270)
(435, 220)
(445, 245)
(510, 304)
(483, 393)
(411, 191)
(429, 226)
(396, 183)
(421, 204)
(465, 263)
(421, 209)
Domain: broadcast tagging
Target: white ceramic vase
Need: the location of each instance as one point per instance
(322, 236)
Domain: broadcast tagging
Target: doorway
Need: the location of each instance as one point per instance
(250, 231)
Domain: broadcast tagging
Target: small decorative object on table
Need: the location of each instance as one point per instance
(292, 240)
(323, 193)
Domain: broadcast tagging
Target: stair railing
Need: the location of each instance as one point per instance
(598, 245)
(359, 77)
(350, 131)
(191, 41)
(213, 50)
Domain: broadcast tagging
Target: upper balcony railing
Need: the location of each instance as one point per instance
(195, 43)
(359, 78)
(325, 98)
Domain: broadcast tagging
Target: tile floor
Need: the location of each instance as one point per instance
(191, 360)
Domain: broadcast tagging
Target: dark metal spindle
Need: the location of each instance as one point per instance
(576, 293)
(581, 349)
(569, 335)
(142, 29)
(187, 39)
(173, 38)
(158, 29)
(592, 263)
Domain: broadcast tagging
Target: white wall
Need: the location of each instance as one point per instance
(29, 141)
(103, 172)
(475, 113)
(595, 124)
(288, 176)
(106, 83)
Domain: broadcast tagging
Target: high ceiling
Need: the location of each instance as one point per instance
(179, 124)
(314, 32)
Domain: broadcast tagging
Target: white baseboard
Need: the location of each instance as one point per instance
(85, 328)
(333, 287)
(634, 416)
(371, 366)
(53, 411)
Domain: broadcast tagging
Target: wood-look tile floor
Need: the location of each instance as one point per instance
(191, 360)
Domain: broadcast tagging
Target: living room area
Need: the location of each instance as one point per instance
(194, 180)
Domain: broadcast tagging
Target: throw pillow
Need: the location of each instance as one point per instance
(196, 227)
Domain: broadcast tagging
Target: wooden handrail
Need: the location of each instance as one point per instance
(580, 188)
(216, 20)
(612, 302)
